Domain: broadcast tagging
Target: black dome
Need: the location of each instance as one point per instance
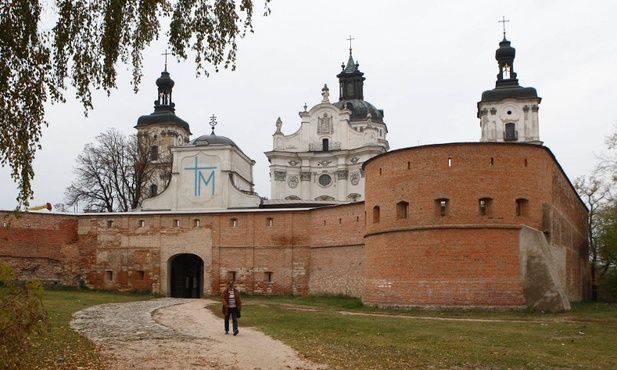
(505, 50)
(165, 80)
(360, 109)
(163, 118)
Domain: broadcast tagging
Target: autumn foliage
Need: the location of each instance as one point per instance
(22, 316)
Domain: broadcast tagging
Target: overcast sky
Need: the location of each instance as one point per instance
(426, 65)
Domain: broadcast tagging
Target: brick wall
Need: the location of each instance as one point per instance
(394, 249)
(427, 201)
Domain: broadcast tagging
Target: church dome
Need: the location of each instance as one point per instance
(165, 80)
(505, 50)
(360, 110)
(206, 140)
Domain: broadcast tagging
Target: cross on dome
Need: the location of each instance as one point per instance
(212, 123)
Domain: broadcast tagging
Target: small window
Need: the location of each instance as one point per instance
(449, 162)
(442, 207)
(233, 222)
(375, 214)
(154, 190)
(492, 162)
(326, 145)
(142, 223)
(485, 206)
(110, 223)
(269, 221)
(196, 222)
(268, 276)
(141, 275)
(154, 152)
(522, 206)
(510, 134)
(176, 223)
(402, 210)
(232, 274)
(109, 275)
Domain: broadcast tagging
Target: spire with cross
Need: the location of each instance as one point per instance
(503, 21)
(166, 53)
(350, 39)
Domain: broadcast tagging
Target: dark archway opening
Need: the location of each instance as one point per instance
(186, 276)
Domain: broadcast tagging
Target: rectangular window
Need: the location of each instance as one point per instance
(485, 206)
(233, 222)
(110, 223)
(141, 275)
(196, 222)
(269, 221)
(522, 206)
(154, 153)
(375, 214)
(442, 207)
(402, 210)
(268, 277)
(176, 223)
(142, 223)
(109, 275)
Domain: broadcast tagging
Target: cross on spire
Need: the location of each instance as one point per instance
(504, 20)
(350, 39)
(166, 54)
(213, 122)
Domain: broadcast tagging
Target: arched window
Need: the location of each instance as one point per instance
(154, 190)
(154, 153)
(375, 214)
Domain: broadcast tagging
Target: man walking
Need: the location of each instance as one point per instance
(231, 306)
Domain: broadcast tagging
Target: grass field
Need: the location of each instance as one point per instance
(343, 334)
(63, 348)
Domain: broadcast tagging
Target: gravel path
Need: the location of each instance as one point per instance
(172, 333)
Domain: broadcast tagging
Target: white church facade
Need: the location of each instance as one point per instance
(322, 160)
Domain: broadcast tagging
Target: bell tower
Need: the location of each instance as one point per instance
(509, 112)
(157, 133)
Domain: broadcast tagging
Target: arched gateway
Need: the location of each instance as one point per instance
(186, 273)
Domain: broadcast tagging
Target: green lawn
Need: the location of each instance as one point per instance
(343, 334)
(63, 348)
(584, 338)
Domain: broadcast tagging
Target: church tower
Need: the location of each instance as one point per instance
(157, 133)
(509, 112)
(322, 161)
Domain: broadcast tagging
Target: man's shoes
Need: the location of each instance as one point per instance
(236, 332)
(226, 332)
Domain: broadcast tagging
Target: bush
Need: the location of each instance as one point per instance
(607, 286)
(22, 315)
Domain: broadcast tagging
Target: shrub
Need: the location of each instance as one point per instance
(22, 315)
(607, 286)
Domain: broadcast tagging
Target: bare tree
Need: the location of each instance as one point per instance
(112, 175)
(595, 195)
